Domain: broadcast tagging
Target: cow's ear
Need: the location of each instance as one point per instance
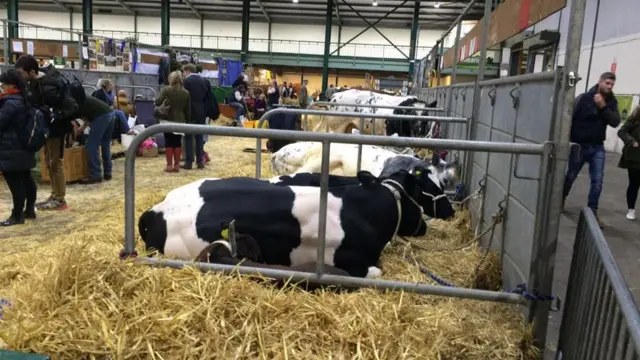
(433, 104)
(366, 178)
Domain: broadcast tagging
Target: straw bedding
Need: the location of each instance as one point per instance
(72, 298)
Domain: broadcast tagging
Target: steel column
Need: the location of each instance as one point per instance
(339, 37)
(545, 253)
(456, 56)
(269, 39)
(71, 24)
(473, 127)
(414, 38)
(593, 41)
(12, 15)
(135, 25)
(246, 11)
(202, 32)
(327, 45)
(165, 28)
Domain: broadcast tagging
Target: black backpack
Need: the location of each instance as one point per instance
(36, 129)
(66, 82)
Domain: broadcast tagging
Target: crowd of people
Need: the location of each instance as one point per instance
(254, 100)
(29, 94)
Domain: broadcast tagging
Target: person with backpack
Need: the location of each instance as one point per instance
(16, 161)
(62, 94)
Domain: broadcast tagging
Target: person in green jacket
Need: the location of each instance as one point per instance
(100, 118)
(179, 102)
(629, 133)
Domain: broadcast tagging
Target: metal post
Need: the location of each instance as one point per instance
(543, 278)
(339, 37)
(440, 61)
(327, 45)
(593, 40)
(246, 12)
(12, 16)
(5, 37)
(324, 194)
(472, 126)
(165, 18)
(135, 25)
(360, 146)
(414, 37)
(456, 56)
(71, 24)
(269, 39)
(202, 32)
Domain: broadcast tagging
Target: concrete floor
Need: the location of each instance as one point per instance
(622, 235)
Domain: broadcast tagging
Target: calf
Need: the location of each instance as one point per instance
(284, 219)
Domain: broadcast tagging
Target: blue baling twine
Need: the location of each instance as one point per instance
(4, 303)
(520, 289)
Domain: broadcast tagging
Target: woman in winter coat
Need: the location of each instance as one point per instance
(630, 160)
(16, 162)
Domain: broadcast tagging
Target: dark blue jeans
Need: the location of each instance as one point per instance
(100, 137)
(594, 155)
(188, 147)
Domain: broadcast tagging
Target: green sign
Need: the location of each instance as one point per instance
(625, 106)
(59, 60)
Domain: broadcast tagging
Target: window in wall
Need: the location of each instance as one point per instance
(518, 63)
(541, 59)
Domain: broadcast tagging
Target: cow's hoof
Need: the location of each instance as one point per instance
(373, 272)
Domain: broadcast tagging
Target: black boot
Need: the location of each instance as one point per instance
(30, 213)
(11, 221)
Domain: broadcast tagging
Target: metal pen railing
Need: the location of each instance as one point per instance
(326, 139)
(138, 87)
(361, 116)
(601, 319)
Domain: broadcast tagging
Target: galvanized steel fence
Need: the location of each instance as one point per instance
(601, 319)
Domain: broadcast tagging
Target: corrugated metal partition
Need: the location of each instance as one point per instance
(514, 109)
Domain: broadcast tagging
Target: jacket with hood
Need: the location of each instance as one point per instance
(589, 123)
(13, 120)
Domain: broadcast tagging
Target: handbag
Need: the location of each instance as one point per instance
(162, 111)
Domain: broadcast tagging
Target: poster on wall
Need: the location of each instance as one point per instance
(625, 106)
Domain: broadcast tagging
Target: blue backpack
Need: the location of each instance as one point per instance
(36, 129)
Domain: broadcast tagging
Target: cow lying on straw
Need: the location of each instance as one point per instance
(247, 253)
(361, 219)
(346, 125)
(306, 156)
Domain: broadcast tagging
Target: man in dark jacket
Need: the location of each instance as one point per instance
(45, 91)
(199, 94)
(593, 112)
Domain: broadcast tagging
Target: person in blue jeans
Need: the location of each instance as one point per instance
(100, 118)
(593, 112)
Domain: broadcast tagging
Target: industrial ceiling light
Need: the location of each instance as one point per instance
(436, 5)
(375, 3)
(295, 1)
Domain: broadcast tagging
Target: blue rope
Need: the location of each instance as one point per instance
(459, 195)
(520, 289)
(4, 303)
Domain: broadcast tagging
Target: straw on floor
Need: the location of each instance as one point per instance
(71, 297)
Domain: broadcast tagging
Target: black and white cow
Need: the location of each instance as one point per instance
(284, 219)
(432, 198)
(404, 128)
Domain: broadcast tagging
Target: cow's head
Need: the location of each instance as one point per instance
(405, 185)
(431, 196)
(446, 172)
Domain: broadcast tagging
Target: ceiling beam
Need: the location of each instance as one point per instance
(126, 7)
(264, 11)
(61, 5)
(195, 11)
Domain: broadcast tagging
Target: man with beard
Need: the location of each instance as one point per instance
(593, 112)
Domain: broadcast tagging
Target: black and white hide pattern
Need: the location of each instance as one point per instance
(248, 255)
(284, 219)
(431, 197)
(409, 128)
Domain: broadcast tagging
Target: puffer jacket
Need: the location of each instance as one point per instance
(13, 120)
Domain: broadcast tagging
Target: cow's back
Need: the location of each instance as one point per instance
(260, 209)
